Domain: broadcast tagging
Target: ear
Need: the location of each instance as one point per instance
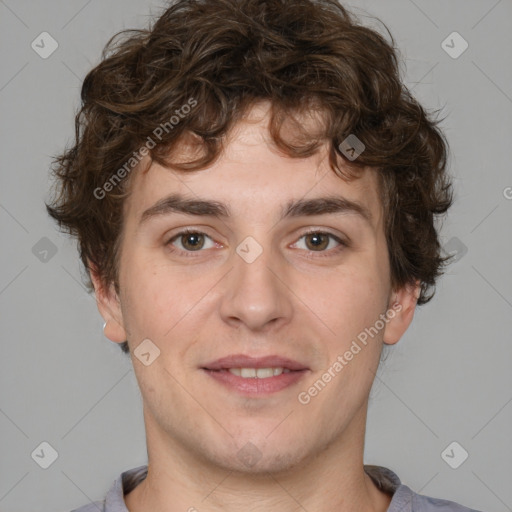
(403, 303)
(109, 307)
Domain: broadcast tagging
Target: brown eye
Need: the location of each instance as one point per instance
(189, 241)
(192, 241)
(318, 241)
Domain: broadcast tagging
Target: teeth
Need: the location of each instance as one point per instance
(260, 373)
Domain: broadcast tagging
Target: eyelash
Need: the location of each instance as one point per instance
(343, 244)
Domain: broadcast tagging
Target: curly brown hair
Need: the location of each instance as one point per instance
(222, 56)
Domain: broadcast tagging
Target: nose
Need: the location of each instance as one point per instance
(255, 292)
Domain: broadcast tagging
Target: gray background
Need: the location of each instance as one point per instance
(448, 379)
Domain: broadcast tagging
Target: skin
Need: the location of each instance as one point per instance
(200, 308)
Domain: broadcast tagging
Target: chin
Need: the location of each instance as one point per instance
(260, 458)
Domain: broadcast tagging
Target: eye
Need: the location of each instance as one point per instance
(190, 241)
(319, 241)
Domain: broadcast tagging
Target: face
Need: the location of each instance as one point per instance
(269, 276)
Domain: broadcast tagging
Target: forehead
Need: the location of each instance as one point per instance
(251, 175)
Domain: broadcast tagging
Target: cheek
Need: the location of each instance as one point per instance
(163, 304)
(352, 306)
(149, 298)
(352, 299)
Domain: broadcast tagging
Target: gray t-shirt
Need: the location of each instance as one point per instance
(404, 500)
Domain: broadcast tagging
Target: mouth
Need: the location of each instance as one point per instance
(258, 373)
(255, 376)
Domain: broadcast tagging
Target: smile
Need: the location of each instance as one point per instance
(256, 381)
(259, 373)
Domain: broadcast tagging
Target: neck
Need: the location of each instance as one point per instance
(332, 479)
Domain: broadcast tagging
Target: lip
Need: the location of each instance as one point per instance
(253, 387)
(219, 371)
(245, 361)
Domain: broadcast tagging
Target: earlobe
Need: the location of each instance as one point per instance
(401, 313)
(109, 307)
(114, 332)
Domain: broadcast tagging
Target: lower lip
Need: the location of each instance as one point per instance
(253, 385)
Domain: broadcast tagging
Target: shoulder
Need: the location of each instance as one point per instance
(97, 506)
(114, 500)
(405, 499)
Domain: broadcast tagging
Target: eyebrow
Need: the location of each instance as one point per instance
(176, 203)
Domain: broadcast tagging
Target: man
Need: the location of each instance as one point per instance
(254, 193)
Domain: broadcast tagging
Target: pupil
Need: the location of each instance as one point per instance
(195, 239)
(317, 240)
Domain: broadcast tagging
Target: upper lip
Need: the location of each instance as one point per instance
(244, 361)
